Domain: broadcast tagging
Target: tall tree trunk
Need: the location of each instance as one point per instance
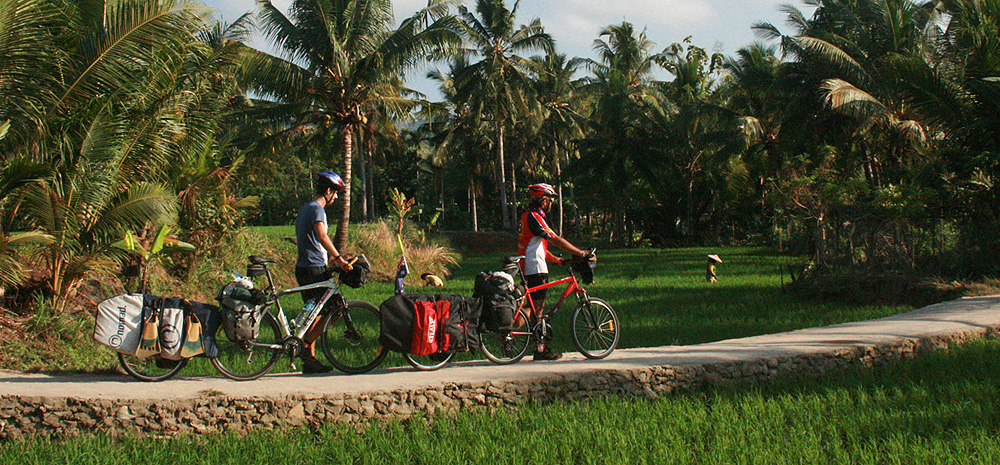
(362, 174)
(688, 230)
(513, 191)
(820, 238)
(475, 208)
(340, 241)
(369, 199)
(503, 182)
(560, 192)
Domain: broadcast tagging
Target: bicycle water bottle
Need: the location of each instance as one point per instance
(306, 313)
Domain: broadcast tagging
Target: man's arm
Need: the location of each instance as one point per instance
(324, 239)
(565, 246)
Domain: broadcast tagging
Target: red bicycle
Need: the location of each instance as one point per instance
(594, 324)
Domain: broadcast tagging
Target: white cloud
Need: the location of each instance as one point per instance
(639, 12)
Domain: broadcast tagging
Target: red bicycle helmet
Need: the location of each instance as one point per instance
(540, 190)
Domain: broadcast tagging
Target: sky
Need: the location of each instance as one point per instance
(721, 26)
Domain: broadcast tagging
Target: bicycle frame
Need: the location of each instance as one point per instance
(573, 287)
(331, 289)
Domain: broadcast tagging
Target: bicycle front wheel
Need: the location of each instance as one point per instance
(150, 369)
(247, 360)
(350, 339)
(595, 329)
(428, 362)
(504, 348)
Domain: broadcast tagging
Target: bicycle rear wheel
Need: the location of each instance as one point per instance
(595, 329)
(350, 339)
(150, 369)
(247, 360)
(504, 348)
(428, 362)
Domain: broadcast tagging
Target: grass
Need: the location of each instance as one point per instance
(940, 408)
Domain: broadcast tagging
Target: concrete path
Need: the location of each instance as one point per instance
(974, 316)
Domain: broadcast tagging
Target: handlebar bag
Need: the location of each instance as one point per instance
(358, 275)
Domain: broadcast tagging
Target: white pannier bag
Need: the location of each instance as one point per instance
(171, 332)
(119, 322)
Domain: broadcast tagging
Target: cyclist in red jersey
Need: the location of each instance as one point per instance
(533, 242)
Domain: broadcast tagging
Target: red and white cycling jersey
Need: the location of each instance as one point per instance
(533, 242)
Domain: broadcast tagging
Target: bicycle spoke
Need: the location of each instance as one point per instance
(595, 329)
(246, 360)
(350, 340)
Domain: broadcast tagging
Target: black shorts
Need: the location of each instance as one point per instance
(308, 275)
(538, 297)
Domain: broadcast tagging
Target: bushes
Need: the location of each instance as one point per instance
(378, 241)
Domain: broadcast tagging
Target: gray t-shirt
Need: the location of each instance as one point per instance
(311, 252)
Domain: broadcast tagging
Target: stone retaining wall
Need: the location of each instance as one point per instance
(22, 417)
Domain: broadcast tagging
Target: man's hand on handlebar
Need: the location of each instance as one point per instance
(343, 263)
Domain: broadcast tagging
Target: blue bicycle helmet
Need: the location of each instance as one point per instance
(329, 179)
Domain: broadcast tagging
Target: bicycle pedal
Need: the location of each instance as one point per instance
(291, 365)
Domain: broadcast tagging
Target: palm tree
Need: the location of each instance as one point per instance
(496, 88)
(84, 211)
(621, 88)
(341, 57)
(113, 92)
(562, 122)
(850, 47)
(457, 135)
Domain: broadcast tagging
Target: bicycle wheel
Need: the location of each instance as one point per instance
(595, 329)
(150, 369)
(504, 348)
(246, 360)
(428, 362)
(350, 340)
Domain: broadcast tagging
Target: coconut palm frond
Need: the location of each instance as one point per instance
(828, 52)
(843, 96)
(112, 59)
(141, 203)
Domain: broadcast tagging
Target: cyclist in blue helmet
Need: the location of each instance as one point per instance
(316, 251)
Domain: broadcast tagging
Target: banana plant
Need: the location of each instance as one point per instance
(159, 251)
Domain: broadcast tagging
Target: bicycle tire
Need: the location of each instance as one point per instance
(507, 348)
(235, 359)
(595, 329)
(151, 369)
(354, 348)
(424, 362)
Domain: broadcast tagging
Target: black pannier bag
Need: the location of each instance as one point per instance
(456, 331)
(358, 275)
(498, 294)
(242, 310)
(211, 319)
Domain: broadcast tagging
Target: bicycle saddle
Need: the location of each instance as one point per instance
(511, 259)
(260, 260)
